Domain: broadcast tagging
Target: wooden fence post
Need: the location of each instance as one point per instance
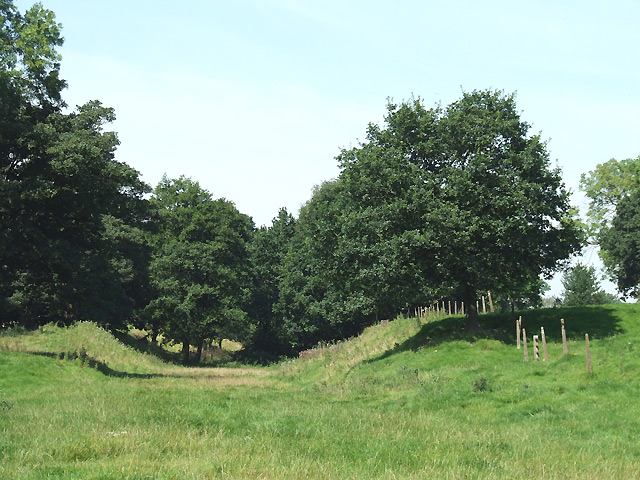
(524, 342)
(490, 303)
(449, 307)
(462, 307)
(565, 350)
(518, 326)
(536, 349)
(455, 307)
(545, 355)
(586, 339)
(484, 305)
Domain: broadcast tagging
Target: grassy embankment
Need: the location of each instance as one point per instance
(404, 400)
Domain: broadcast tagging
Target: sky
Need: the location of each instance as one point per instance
(255, 98)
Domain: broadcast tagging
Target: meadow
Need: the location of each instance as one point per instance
(407, 399)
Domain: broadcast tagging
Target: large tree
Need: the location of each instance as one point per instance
(611, 187)
(605, 186)
(485, 207)
(200, 267)
(441, 201)
(621, 242)
(64, 194)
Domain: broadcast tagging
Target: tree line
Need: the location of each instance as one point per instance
(441, 202)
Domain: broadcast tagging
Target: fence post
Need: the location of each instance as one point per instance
(565, 350)
(462, 307)
(545, 356)
(490, 302)
(524, 342)
(449, 307)
(484, 305)
(586, 339)
(536, 349)
(455, 307)
(518, 325)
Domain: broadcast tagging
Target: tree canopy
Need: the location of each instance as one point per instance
(606, 186)
(64, 194)
(621, 242)
(435, 202)
(582, 287)
(200, 265)
(482, 206)
(268, 249)
(613, 188)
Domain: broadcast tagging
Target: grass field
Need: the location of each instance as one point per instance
(405, 400)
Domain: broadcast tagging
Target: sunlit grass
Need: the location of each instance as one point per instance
(407, 399)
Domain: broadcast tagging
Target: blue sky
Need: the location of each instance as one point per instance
(255, 98)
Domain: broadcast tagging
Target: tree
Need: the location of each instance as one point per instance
(308, 308)
(622, 244)
(60, 185)
(605, 186)
(609, 186)
(268, 249)
(582, 287)
(484, 209)
(434, 203)
(200, 265)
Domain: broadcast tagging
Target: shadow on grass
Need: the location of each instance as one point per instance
(211, 357)
(90, 362)
(598, 321)
(143, 345)
(87, 361)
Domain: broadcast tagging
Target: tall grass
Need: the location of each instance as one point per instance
(404, 400)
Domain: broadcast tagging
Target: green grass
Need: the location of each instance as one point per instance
(403, 400)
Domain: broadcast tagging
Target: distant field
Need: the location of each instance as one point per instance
(405, 400)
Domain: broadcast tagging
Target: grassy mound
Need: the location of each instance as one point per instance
(406, 399)
(84, 340)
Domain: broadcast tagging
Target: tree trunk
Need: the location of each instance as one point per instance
(154, 335)
(513, 310)
(198, 352)
(185, 351)
(473, 322)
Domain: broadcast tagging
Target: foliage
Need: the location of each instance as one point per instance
(200, 265)
(613, 188)
(304, 305)
(606, 186)
(622, 244)
(582, 287)
(67, 203)
(268, 248)
(435, 202)
(532, 296)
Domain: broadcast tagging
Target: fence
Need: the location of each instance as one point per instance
(521, 339)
